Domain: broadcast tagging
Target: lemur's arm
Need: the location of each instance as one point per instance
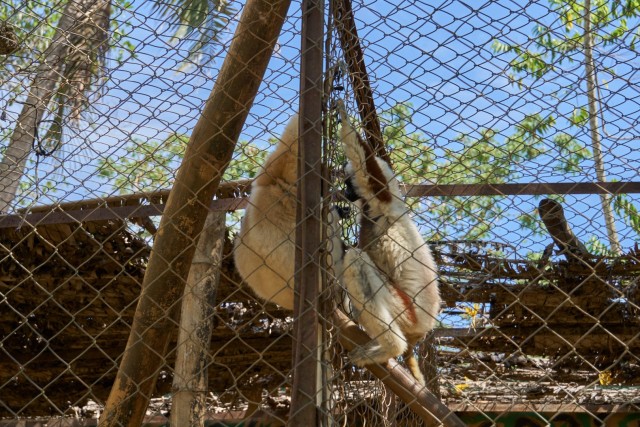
(285, 156)
(367, 173)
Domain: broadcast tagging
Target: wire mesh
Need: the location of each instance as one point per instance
(511, 129)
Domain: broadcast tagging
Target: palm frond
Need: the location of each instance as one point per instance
(187, 17)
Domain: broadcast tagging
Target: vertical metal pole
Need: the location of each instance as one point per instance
(309, 220)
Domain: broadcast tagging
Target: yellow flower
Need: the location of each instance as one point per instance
(460, 388)
(472, 311)
(605, 377)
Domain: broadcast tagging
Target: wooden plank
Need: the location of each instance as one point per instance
(552, 339)
(550, 408)
(463, 332)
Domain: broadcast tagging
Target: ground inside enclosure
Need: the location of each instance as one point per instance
(486, 419)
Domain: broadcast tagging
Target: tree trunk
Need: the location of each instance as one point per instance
(208, 154)
(552, 216)
(593, 101)
(48, 75)
(354, 55)
(190, 379)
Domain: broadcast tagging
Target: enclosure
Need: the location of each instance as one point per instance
(131, 135)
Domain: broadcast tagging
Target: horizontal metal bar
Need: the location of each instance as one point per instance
(105, 213)
(226, 189)
(100, 213)
(531, 189)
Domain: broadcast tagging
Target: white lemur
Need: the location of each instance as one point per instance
(391, 277)
(264, 250)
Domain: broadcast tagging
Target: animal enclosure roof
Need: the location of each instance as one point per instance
(69, 288)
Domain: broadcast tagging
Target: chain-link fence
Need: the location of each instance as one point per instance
(153, 181)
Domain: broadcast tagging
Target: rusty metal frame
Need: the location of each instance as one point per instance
(307, 276)
(58, 215)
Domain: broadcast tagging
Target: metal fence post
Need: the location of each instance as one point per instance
(309, 219)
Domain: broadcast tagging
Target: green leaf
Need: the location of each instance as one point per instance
(579, 117)
(624, 208)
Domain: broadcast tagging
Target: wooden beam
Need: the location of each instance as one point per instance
(48, 215)
(398, 379)
(208, 153)
(542, 408)
(552, 216)
(106, 213)
(346, 25)
(190, 379)
(553, 339)
(226, 189)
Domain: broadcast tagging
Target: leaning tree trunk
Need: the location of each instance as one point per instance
(72, 28)
(605, 199)
(190, 377)
(208, 154)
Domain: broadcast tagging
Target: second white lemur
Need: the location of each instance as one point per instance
(391, 277)
(264, 250)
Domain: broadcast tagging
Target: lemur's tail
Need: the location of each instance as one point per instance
(369, 178)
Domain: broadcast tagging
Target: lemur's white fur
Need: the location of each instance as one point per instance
(391, 277)
(265, 248)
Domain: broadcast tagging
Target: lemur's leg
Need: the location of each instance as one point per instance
(372, 301)
(412, 363)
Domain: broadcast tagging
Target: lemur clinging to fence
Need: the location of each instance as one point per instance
(264, 250)
(391, 277)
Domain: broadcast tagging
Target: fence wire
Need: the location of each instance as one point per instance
(511, 129)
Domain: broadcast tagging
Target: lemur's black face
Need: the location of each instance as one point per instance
(350, 190)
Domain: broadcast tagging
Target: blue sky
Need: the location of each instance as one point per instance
(435, 55)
